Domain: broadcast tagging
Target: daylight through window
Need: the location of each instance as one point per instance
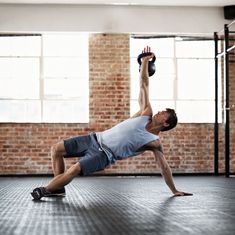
(44, 78)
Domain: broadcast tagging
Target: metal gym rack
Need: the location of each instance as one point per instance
(227, 48)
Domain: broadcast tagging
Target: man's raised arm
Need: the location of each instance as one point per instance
(144, 86)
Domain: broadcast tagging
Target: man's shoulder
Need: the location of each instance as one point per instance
(141, 114)
(154, 146)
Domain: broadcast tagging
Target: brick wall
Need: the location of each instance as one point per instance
(25, 148)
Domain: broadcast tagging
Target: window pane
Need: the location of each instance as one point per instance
(135, 74)
(161, 88)
(66, 111)
(19, 68)
(198, 49)
(195, 111)
(135, 88)
(66, 67)
(20, 111)
(19, 88)
(65, 88)
(134, 107)
(164, 67)
(20, 46)
(195, 89)
(195, 69)
(19, 78)
(65, 45)
(195, 79)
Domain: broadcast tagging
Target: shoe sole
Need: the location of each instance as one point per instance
(55, 195)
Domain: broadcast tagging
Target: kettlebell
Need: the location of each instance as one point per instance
(151, 65)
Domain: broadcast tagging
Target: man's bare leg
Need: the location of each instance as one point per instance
(61, 180)
(57, 158)
(56, 183)
(61, 177)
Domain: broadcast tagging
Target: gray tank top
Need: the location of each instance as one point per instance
(126, 138)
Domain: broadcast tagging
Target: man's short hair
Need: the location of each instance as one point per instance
(172, 120)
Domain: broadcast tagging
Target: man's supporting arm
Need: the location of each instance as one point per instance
(167, 174)
(165, 170)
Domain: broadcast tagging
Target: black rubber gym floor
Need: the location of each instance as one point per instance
(119, 205)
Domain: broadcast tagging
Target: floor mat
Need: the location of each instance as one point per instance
(119, 205)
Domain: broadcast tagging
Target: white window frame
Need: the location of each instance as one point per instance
(175, 85)
(42, 98)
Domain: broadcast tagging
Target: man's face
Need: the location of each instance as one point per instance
(161, 117)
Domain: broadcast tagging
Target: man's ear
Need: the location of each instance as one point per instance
(166, 124)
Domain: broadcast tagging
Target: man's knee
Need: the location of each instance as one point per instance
(75, 169)
(58, 149)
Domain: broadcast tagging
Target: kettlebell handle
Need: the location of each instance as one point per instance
(144, 55)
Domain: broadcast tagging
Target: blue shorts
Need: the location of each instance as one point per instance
(93, 158)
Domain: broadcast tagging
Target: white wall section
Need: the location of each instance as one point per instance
(110, 19)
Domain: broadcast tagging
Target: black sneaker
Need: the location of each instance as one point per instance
(40, 192)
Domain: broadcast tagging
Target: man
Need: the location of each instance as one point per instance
(129, 138)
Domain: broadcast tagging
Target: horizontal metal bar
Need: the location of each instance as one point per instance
(184, 37)
(231, 23)
(18, 35)
(228, 25)
(220, 54)
(223, 53)
(231, 48)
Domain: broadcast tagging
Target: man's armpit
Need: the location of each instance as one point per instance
(159, 148)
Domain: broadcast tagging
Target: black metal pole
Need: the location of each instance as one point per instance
(226, 74)
(216, 132)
